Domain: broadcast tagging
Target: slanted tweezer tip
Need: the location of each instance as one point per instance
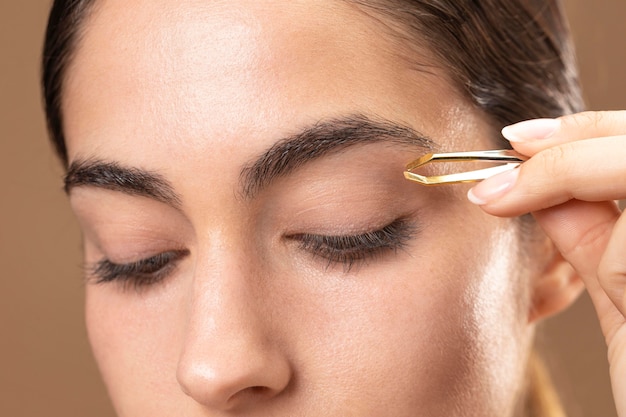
(508, 159)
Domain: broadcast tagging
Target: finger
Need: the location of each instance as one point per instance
(532, 136)
(582, 232)
(563, 224)
(612, 268)
(590, 170)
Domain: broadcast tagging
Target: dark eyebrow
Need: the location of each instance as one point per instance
(284, 157)
(321, 139)
(115, 177)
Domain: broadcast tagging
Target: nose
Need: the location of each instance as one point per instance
(229, 357)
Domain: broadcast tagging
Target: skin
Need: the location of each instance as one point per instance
(250, 322)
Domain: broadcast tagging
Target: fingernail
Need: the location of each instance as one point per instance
(531, 130)
(493, 187)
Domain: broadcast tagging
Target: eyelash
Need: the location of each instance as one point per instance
(353, 250)
(347, 250)
(140, 273)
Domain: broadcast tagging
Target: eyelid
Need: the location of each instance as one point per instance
(349, 250)
(142, 272)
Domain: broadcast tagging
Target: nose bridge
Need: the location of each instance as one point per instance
(230, 353)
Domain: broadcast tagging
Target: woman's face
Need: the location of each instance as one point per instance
(253, 247)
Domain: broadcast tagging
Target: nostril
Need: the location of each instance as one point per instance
(257, 391)
(251, 395)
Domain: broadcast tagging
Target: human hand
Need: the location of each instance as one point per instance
(576, 171)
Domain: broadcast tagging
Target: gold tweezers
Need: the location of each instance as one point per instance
(507, 158)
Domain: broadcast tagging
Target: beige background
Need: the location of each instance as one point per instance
(46, 368)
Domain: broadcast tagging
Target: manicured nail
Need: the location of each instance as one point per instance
(531, 130)
(493, 187)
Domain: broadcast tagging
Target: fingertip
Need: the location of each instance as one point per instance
(493, 188)
(529, 130)
(471, 196)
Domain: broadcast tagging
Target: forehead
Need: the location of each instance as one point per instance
(244, 68)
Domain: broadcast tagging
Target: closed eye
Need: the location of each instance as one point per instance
(350, 250)
(140, 273)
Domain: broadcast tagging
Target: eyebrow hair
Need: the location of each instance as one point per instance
(112, 176)
(321, 139)
(288, 154)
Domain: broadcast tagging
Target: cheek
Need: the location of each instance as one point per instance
(445, 329)
(494, 309)
(136, 345)
(505, 305)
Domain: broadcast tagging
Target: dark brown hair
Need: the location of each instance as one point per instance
(63, 33)
(512, 58)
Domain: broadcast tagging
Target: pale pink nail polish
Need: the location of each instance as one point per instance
(493, 187)
(531, 130)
